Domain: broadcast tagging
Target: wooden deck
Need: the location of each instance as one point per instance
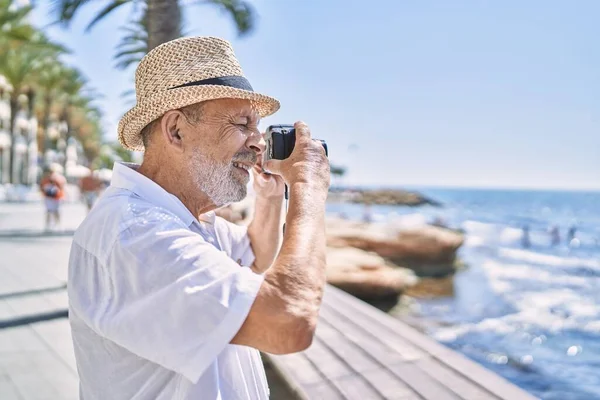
(359, 352)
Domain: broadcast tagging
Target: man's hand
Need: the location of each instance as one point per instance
(266, 185)
(265, 230)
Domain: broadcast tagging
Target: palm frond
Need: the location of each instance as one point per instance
(137, 51)
(105, 11)
(126, 62)
(127, 93)
(65, 10)
(242, 12)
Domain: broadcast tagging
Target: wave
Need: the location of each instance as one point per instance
(533, 257)
(484, 233)
(536, 300)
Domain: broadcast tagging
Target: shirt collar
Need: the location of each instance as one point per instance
(125, 176)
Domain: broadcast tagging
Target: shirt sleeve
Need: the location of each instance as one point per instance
(241, 249)
(177, 300)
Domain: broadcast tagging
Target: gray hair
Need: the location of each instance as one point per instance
(192, 112)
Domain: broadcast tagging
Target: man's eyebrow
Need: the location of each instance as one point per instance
(250, 115)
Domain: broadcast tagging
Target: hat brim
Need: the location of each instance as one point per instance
(134, 120)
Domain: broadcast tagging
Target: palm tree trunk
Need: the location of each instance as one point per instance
(164, 21)
(68, 134)
(46, 123)
(31, 95)
(14, 106)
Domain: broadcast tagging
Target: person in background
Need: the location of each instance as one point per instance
(571, 233)
(554, 235)
(367, 214)
(525, 240)
(90, 187)
(572, 239)
(52, 187)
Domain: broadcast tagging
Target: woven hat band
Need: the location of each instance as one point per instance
(237, 82)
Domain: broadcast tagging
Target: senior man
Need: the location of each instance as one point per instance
(168, 301)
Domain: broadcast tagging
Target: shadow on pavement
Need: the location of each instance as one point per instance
(30, 319)
(32, 292)
(34, 234)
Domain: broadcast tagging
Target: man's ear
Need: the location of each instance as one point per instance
(170, 125)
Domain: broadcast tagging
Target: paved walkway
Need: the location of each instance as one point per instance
(36, 354)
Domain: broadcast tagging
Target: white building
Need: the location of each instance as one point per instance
(5, 139)
(25, 161)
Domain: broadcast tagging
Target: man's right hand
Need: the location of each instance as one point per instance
(308, 162)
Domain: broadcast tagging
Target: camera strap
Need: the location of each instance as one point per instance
(286, 195)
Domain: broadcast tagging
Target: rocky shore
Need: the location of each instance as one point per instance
(376, 261)
(393, 197)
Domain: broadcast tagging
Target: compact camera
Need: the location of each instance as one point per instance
(280, 140)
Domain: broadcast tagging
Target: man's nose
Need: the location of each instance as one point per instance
(256, 143)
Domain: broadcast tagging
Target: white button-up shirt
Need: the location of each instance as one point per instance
(155, 297)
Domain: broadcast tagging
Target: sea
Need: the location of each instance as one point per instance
(527, 309)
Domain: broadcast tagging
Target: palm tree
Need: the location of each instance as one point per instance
(14, 28)
(76, 103)
(134, 45)
(21, 46)
(160, 20)
(18, 67)
(50, 79)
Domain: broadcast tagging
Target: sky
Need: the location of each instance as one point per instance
(409, 93)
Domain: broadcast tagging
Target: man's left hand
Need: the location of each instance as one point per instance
(267, 185)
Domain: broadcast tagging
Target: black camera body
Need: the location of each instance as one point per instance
(280, 141)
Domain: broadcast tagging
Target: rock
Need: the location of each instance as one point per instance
(382, 196)
(366, 275)
(432, 288)
(428, 250)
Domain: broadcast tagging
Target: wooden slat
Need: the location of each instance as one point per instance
(470, 370)
(302, 377)
(359, 333)
(380, 344)
(407, 350)
(391, 388)
(457, 383)
(338, 372)
(351, 355)
(365, 366)
(322, 391)
(418, 381)
(422, 383)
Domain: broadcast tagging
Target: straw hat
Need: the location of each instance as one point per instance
(183, 72)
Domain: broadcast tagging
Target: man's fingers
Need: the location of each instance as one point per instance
(257, 170)
(273, 167)
(302, 130)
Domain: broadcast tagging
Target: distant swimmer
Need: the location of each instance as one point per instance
(571, 233)
(367, 214)
(525, 241)
(572, 240)
(554, 235)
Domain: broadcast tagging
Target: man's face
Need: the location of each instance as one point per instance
(222, 147)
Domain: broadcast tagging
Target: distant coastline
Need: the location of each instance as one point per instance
(396, 197)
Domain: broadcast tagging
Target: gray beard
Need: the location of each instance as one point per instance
(217, 181)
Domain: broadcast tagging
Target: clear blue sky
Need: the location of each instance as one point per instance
(435, 93)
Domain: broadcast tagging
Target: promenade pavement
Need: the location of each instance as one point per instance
(36, 354)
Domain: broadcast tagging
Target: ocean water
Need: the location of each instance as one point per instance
(530, 314)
